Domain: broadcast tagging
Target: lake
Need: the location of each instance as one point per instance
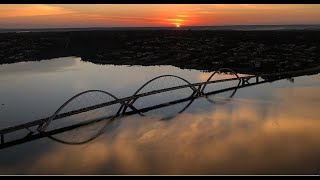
(271, 128)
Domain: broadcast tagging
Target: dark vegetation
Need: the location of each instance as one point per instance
(243, 51)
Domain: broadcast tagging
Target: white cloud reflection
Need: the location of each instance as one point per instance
(239, 138)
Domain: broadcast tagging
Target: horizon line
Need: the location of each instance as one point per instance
(1, 28)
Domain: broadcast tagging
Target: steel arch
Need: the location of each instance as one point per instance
(201, 88)
(130, 102)
(112, 120)
(43, 126)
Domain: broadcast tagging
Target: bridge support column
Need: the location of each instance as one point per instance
(199, 92)
(2, 138)
(245, 81)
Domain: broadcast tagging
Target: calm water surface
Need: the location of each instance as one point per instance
(271, 128)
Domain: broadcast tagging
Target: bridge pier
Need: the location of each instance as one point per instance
(245, 81)
(2, 138)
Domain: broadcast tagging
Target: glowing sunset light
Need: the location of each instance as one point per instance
(176, 21)
(153, 15)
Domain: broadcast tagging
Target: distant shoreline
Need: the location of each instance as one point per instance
(247, 52)
(222, 27)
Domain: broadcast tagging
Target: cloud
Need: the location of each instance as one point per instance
(31, 10)
(184, 16)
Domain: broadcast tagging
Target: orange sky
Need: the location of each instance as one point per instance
(107, 15)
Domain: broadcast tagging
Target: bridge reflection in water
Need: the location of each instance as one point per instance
(101, 111)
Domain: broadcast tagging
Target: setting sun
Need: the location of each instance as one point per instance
(177, 25)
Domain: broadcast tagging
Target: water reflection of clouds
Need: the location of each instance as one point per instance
(299, 101)
(241, 140)
(44, 66)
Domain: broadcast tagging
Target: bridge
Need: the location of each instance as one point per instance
(93, 100)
